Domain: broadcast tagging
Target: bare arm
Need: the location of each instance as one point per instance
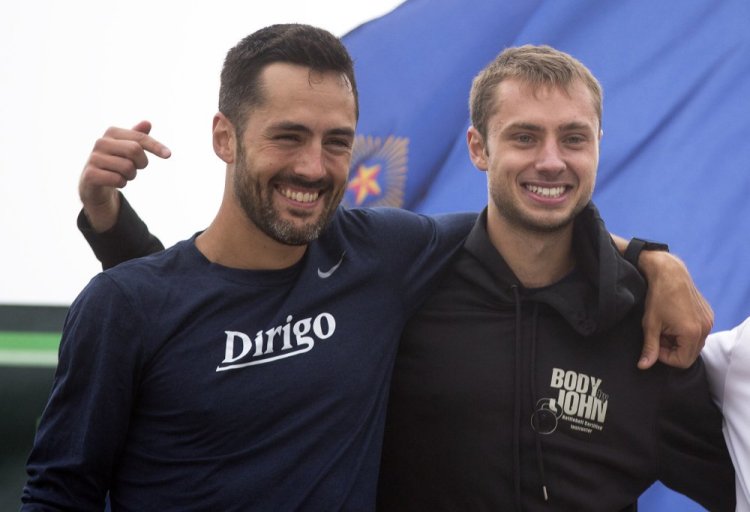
(677, 317)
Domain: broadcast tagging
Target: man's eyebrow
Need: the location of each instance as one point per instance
(289, 126)
(345, 132)
(574, 125)
(529, 127)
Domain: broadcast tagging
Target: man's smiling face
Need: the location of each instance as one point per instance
(541, 154)
(294, 153)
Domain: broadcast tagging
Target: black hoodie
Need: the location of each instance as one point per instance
(503, 394)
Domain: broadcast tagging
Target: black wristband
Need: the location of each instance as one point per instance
(636, 245)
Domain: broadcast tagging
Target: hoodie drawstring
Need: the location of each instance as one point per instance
(517, 404)
(537, 435)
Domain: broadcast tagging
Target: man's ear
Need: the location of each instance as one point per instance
(225, 138)
(477, 148)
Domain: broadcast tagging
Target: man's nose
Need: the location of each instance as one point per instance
(310, 163)
(549, 159)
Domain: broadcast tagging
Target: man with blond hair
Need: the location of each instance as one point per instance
(512, 388)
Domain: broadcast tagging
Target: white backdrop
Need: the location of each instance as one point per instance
(68, 70)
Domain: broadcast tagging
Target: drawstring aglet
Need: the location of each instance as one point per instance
(544, 491)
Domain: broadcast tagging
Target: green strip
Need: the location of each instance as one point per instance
(29, 348)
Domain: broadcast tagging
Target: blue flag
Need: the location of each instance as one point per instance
(675, 157)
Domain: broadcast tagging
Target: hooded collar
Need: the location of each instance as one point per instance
(599, 292)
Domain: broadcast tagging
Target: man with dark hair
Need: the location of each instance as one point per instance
(248, 367)
(510, 390)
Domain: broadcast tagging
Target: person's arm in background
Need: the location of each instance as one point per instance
(727, 359)
(677, 317)
(111, 227)
(692, 455)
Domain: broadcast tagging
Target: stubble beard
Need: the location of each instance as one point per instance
(257, 203)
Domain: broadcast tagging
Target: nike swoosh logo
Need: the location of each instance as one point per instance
(329, 273)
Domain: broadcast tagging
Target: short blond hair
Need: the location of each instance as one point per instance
(538, 66)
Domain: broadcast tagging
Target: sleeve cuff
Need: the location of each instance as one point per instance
(129, 238)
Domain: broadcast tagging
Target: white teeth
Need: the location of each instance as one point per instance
(546, 191)
(300, 197)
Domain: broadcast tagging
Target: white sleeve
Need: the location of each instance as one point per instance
(727, 359)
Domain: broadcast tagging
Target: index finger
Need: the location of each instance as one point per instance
(147, 142)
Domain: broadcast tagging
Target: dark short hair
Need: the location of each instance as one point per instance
(538, 66)
(302, 45)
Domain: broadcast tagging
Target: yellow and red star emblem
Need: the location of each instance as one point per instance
(378, 172)
(365, 183)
